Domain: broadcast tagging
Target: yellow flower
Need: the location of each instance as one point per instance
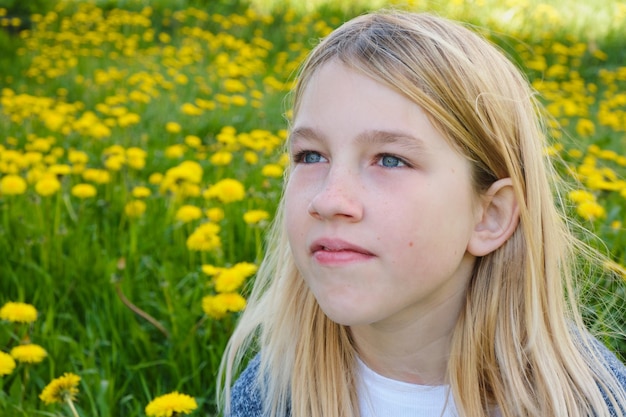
(193, 141)
(84, 191)
(155, 178)
(255, 216)
(272, 170)
(173, 127)
(215, 214)
(61, 389)
(580, 196)
(170, 404)
(191, 110)
(135, 208)
(18, 312)
(7, 364)
(231, 279)
(30, 353)
(585, 127)
(217, 306)
(12, 185)
(221, 158)
(141, 192)
(204, 238)
(175, 151)
(188, 213)
(251, 157)
(99, 176)
(590, 210)
(47, 186)
(227, 191)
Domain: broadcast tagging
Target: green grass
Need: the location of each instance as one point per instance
(120, 298)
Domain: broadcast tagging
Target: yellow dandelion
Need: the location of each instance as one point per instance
(135, 208)
(591, 210)
(188, 213)
(205, 238)
(255, 216)
(173, 127)
(215, 214)
(141, 192)
(251, 157)
(231, 279)
(193, 141)
(47, 186)
(211, 269)
(272, 170)
(227, 191)
(84, 191)
(29, 353)
(61, 389)
(171, 404)
(175, 151)
(217, 306)
(12, 185)
(155, 178)
(18, 312)
(7, 364)
(221, 158)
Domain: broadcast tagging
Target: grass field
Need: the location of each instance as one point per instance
(141, 161)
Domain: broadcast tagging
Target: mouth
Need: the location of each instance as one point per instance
(337, 251)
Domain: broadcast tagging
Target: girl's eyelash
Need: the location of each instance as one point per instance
(403, 161)
(299, 156)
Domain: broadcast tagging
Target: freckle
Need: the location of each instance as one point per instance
(410, 244)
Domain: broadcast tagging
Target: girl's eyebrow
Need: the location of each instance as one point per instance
(368, 137)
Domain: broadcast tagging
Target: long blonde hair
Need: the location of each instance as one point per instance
(519, 343)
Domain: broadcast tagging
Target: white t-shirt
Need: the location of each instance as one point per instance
(381, 397)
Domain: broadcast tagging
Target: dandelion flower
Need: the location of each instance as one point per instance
(231, 279)
(135, 208)
(217, 306)
(255, 216)
(18, 312)
(141, 192)
(215, 214)
(7, 364)
(188, 213)
(61, 389)
(47, 186)
(29, 353)
(84, 191)
(175, 151)
(12, 185)
(205, 238)
(221, 158)
(227, 190)
(173, 127)
(272, 170)
(170, 404)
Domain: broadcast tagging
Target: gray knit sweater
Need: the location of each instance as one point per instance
(247, 400)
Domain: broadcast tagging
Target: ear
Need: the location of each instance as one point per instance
(498, 219)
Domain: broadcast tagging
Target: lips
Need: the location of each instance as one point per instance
(336, 251)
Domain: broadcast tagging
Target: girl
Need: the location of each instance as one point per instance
(417, 261)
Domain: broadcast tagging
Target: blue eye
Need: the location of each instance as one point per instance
(308, 157)
(311, 157)
(390, 161)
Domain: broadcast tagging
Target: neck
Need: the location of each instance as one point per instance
(414, 350)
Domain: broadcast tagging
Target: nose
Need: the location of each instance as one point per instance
(339, 197)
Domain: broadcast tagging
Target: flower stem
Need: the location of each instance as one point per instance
(71, 405)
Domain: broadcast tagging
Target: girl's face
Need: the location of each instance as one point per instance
(379, 207)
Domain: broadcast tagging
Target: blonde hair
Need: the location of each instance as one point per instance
(519, 343)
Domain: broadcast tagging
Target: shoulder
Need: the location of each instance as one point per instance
(615, 367)
(245, 395)
(611, 362)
